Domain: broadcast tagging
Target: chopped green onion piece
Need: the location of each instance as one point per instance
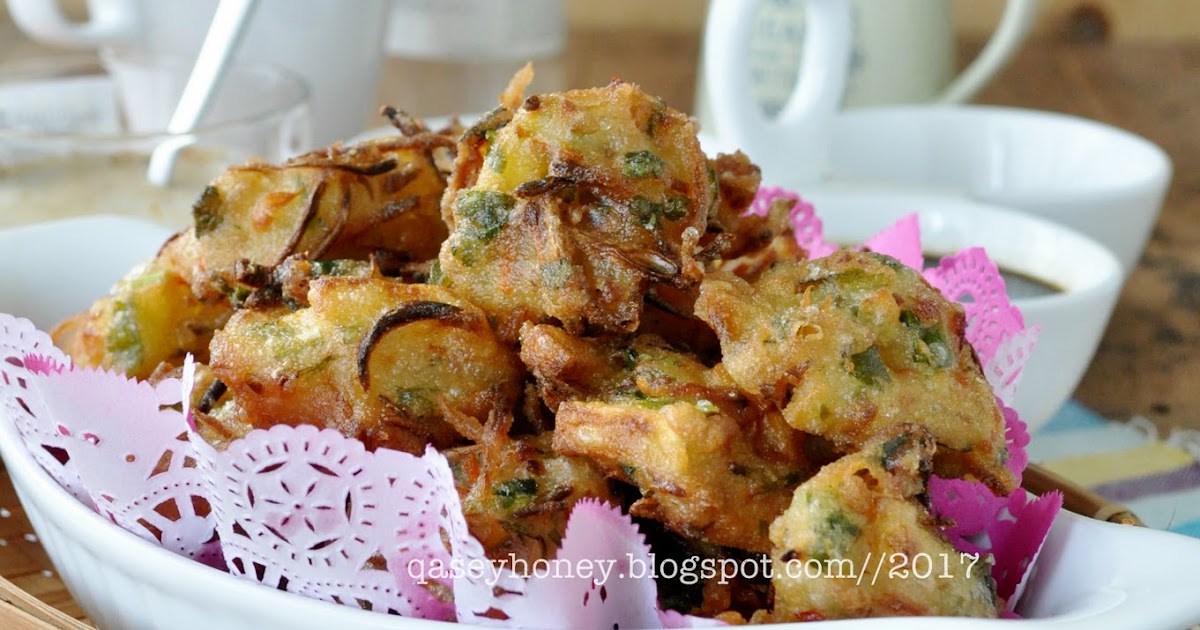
(869, 367)
(642, 164)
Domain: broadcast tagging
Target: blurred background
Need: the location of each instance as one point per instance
(1128, 64)
(657, 43)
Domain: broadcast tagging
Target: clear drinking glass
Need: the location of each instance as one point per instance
(76, 134)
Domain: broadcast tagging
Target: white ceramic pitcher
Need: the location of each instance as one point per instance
(792, 146)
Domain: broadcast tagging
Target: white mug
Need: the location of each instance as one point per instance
(336, 46)
(905, 52)
(896, 51)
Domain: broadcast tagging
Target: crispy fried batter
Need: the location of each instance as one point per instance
(699, 473)
(396, 365)
(380, 198)
(739, 232)
(150, 318)
(517, 493)
(573, 368)
(568, 207)
(737, 182)
(511, 97)
(738, 242)
(757, 241)
(861, 510)
(287, 284)
(708, 463)
(339, 202)
(854, 342)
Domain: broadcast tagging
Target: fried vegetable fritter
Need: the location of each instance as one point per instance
(575, 368)
(736, 241)
(851, 343)
(287, 284)
(737, 180)
(862, 511)
(708, 463)
(568, 207)
(343, 202)
(770, 241)
(699, 472)
(518, 493)
(150, 318)
(393, 364)
(377, 199)
(732, 231)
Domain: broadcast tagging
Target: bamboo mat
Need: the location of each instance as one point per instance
(33, 597)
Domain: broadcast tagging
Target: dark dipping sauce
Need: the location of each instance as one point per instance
(1019, 285)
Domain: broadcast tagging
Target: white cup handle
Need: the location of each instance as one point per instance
(109, 21)
(794, 147)
(1015, 23)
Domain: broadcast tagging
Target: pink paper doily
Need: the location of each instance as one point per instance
(131, 452)
(316, 513)
(19, 339)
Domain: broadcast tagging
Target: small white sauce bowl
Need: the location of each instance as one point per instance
(1100, 180)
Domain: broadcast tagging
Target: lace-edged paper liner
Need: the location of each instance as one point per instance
(318, 514)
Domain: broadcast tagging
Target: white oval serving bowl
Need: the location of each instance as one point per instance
(1072, 321)
(1091, 574)
(1102, 181)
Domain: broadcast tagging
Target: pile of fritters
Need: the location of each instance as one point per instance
(569, 300)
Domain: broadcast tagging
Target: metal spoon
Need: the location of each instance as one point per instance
(224, 34)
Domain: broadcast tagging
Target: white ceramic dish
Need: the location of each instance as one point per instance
(58, 268)
(1072, 321)
(1103, 181)
(1091, 574)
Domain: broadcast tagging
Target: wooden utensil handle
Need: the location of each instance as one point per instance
(1077, 499)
